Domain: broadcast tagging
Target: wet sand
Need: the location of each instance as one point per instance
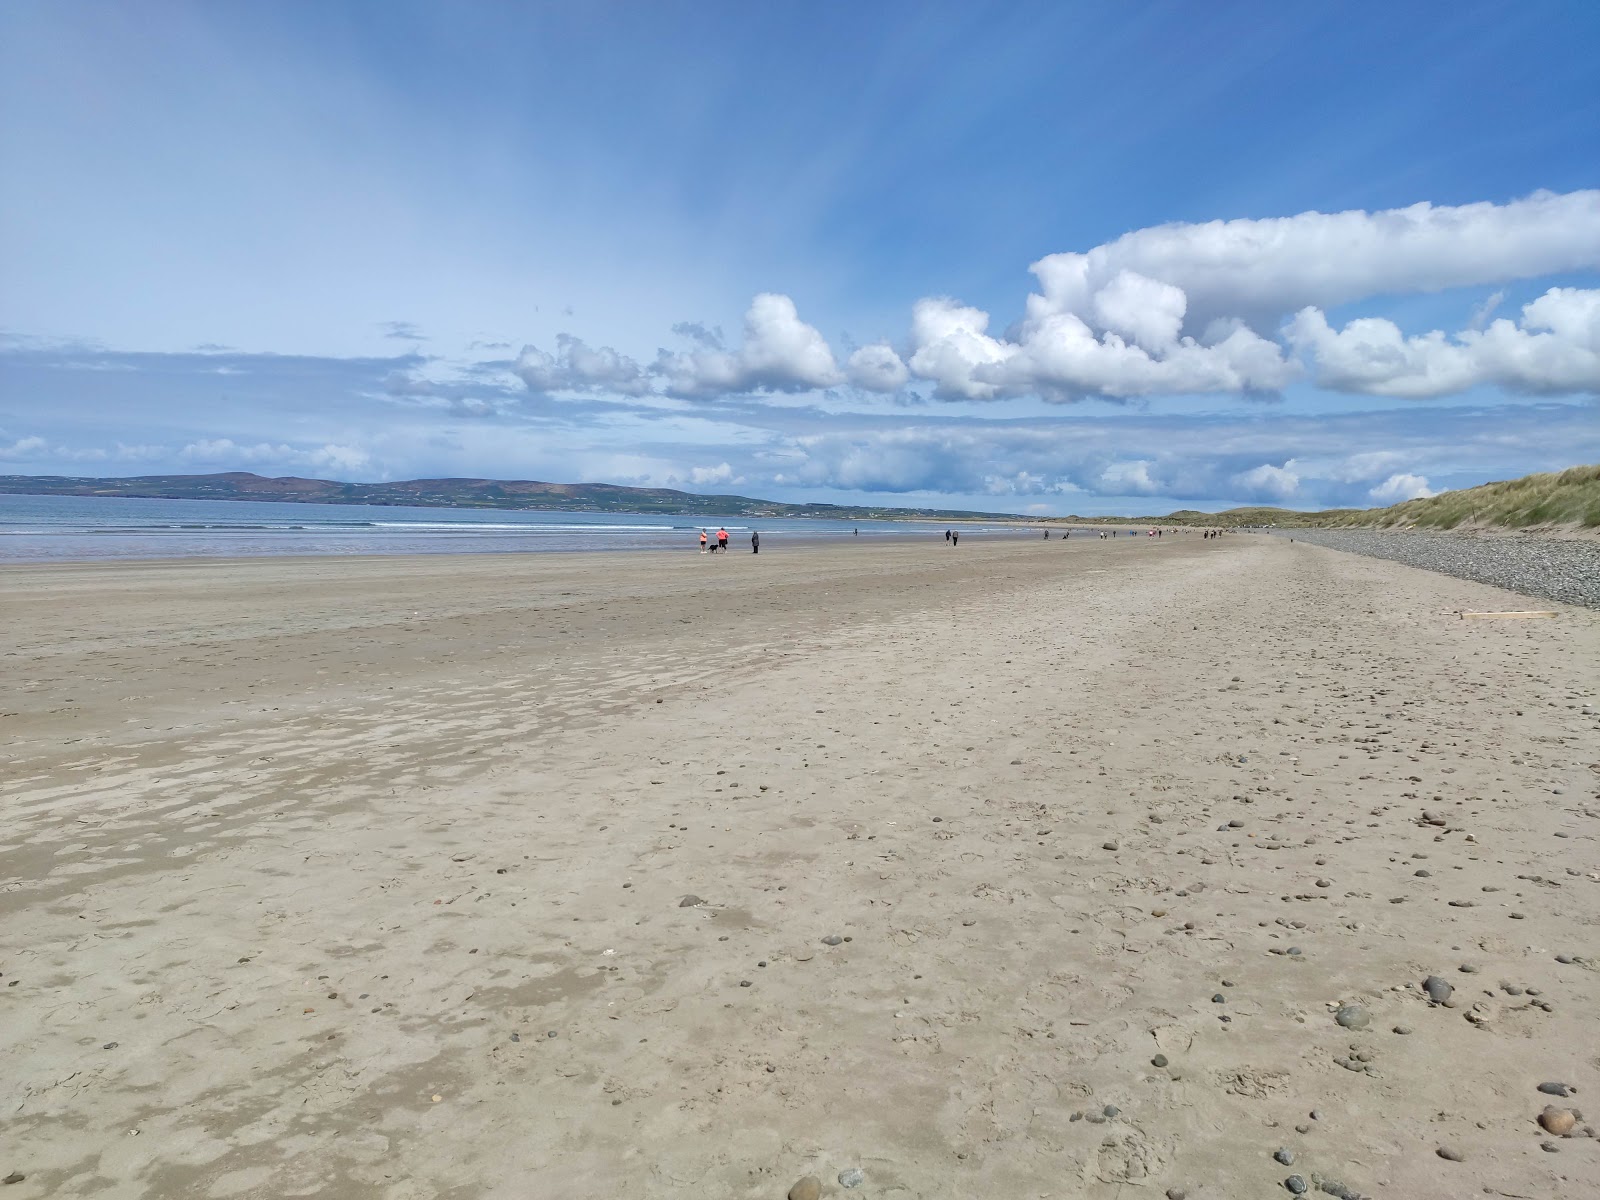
(379, 877)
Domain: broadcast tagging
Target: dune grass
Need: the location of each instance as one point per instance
(1570, 497)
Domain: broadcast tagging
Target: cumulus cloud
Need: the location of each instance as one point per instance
(1181, 308)
(722, 473)
(1553, 348)
(877, 368)
(23, 449)
(1278, 483)
(226, 452)
(781, 353)
(578, 367)
(1261, 268)
(1401, 487)
(1186, 309)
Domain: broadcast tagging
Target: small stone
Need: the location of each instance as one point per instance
(1322, 883)
(1550, 1147)
(851, 1177)
(1468, 969)
(690, 901)
(1235, 824)
(1556, 1089)
(1352, 1016)
(550, 1034)
(110, 1046)
(833, 939)
(1160, 1060)
(1296, 1185)
(1284, 1155)
(1219, 998)
(1110, 1111)
(1108, 845)
(1558, 1121)
(1402, 1030)
(1451, 1154)
(809, 1188)
(1438, 990)
(1176, 1194)
(14, 1177)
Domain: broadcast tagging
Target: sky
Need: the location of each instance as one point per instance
(1058, 258)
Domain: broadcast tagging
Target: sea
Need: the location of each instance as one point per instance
(70, 528)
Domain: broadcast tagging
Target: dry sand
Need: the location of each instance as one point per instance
(365, 877)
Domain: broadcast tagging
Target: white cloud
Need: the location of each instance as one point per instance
(1280, 483)
(1261, 268)
(711, 476)
(578, 367)
(23, 449)
(1130, 478)
(1188, 309)
(225, 452)
(877, 368)
(1401, 487)
(1555, 347)
(781, 353)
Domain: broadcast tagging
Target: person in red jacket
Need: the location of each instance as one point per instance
(722, 540)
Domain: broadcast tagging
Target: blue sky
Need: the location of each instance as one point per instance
(1057, 258)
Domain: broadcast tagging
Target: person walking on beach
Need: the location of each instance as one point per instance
(722, 540)
(955, 539)
(947, 535)
(755, 541)
(703, 541)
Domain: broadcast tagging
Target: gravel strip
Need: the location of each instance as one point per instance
(1554, 569)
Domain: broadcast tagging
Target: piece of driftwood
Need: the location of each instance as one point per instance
(1507, 614)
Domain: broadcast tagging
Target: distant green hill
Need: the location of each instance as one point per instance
(461, 493)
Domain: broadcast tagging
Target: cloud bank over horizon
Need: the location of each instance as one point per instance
(1237, 307)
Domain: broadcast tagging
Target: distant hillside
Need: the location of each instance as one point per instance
(1570, 498)
(458, 493)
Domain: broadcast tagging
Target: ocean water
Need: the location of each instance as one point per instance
(52, 528)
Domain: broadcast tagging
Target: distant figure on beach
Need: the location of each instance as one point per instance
(1047, 535)
(703, 540)
(955, 539)
(947, 535)
(755, 541)
(722, 539)
(858, 533)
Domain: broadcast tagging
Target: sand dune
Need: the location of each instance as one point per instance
(1021, 870)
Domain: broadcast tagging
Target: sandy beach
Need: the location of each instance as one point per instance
(1029, 869)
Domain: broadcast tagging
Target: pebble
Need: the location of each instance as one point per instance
(1176, 1194)
(1556, 1089)
(1284, 1155)
(1296, 1185)
(1402, 1029)
(809, 1188)
(1555, 570)
(1160, 1060)
(833, 939)
(1219, 998)
(1108, 845)
(14, 1177)
(1451, 1153)
(1558, 1121)
(1352, 1016)
(690, 901)
(851, 1177)
(1438, 990)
